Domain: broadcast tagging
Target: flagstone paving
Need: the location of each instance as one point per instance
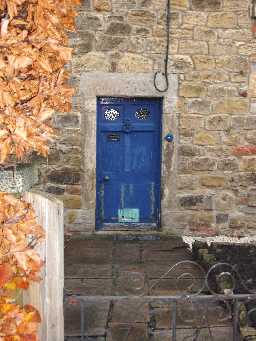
(132, 266)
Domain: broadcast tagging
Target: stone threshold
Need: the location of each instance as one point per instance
(162, 235)
(126, 235)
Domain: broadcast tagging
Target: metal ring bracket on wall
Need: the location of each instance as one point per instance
(165, 73)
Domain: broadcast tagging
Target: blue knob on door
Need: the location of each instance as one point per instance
(106, 178)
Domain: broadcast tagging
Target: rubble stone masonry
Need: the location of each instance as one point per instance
(213, 54)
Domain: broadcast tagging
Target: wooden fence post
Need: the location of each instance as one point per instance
(47, 296)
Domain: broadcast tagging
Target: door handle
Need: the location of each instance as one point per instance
(127, 126)
(106, 178)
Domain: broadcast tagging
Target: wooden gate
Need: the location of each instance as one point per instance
(47, 296)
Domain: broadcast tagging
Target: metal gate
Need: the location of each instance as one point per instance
(205, 301)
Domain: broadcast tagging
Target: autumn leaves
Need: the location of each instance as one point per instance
(19, 266)
(27, 316)
(33, 80)
(19, 233)
(33, 85)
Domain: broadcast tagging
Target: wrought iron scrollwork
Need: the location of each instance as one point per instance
(187, 276)
(192, 279)
(203, 298)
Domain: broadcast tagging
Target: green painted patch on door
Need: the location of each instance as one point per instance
(129, 215)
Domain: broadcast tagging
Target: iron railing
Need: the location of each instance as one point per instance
(222, 286)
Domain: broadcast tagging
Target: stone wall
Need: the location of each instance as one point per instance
(213, 54)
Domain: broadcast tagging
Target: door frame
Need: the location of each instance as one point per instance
(130, 84)
(129, 226)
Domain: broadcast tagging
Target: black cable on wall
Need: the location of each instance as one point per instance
(165, 73)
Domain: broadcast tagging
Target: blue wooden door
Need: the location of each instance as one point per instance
(128, 163)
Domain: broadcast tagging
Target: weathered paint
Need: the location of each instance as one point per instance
(152, 198)
(94, 84)
(101, 201)
(128, 163)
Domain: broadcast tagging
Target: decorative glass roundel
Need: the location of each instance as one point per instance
(111, 114)
(142, 114)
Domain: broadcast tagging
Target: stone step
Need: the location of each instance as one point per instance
(218, 334)
(124, 332)
(83, 270)
(96, 317)
(105, 267)
(78, 251)
(169, 257)
(142, 319)
(78, 338)
(190, 314)
(89, 287)
(139, 333)
(133, 283)
(125, 286)
(151, 271)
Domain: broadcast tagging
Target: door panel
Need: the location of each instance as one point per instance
(128, 162)
(141, 154)
(112, 152)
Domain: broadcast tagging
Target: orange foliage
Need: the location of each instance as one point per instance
(19, 234)
(18, 323)
(33, 84)
(33, 80)
(19, 265)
